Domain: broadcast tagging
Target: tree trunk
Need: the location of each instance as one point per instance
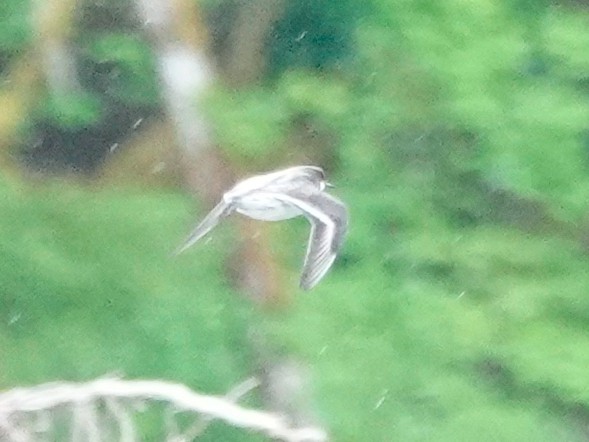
(179, 39)
(244, 60)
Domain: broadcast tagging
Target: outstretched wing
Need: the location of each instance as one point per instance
(329, 222)
(219, 212)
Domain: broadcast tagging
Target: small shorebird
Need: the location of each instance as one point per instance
(281, 195)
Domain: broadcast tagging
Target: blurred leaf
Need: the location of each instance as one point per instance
(248, 123)
(324, 98)
(72, 111)
(566, 40)
(314, 34)
(14, 25)
(125, 68)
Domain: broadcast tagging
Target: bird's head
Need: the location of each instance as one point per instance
(319, 177)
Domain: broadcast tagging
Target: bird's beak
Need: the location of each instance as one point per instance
(327, 184)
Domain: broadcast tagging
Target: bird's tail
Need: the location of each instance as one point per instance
(220, 211)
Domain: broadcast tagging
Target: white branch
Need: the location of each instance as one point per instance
(123, 419)
(49, 396)
(233, 395)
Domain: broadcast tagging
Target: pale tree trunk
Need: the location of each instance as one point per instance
(53, 20)
(50, 59)
(244, 60)
(179, 40)
(17, 96)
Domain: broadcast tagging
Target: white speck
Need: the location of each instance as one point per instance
(113, 147)
(462, 293)
(137, 123)
(208, 240)
(322, 350)
(13, 318)
(381, 400)
(301, 36)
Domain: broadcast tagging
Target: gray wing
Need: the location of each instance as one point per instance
(329, 223)
(219, 212)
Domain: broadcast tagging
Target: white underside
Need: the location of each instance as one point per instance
(271, 215)
(267, 209)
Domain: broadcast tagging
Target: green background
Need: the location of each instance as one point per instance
(457, 133)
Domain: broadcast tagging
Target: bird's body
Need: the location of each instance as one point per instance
(282, 195)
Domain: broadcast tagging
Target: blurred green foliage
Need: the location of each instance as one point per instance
(120, 68)
(314, 34)
(250, 123)
(76, 304)
(70, 111)
(14, 28)
(458, 309)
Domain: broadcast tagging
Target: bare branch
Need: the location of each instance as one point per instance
(84, 398)
(234, 395)
(124, 421)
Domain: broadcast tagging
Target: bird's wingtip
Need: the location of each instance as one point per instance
(174, 254)
(180, 249)
(306, 285)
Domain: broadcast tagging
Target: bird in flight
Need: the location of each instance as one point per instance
(281, 195)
